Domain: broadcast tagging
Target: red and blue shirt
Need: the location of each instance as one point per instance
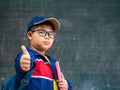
(42, 76)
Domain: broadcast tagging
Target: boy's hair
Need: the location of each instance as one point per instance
(43, 23)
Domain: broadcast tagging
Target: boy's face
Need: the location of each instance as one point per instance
(39, 40)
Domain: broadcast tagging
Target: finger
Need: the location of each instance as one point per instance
(24, 50)
(62, 76)
(26, 67)
(63, 85)
(26, 62)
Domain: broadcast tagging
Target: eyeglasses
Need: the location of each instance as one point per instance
(43, 33)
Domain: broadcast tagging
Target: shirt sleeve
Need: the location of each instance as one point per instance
(69, 85)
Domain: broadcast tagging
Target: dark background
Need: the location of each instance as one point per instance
(87, 46)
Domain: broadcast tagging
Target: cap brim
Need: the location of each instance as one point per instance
(55, 22)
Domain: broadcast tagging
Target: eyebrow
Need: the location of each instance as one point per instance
(44, 30)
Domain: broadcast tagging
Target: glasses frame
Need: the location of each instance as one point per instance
(45, 33)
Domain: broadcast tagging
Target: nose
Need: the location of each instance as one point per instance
(47, 35)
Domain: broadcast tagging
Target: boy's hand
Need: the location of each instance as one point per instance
(25, 59)
(63, 85)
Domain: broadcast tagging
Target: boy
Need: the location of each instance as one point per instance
(41, 33)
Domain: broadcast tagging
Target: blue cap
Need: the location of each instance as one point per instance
(39, 19)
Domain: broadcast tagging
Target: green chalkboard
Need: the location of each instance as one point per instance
(87, 46)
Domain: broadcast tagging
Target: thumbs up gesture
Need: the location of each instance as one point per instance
(25, 59)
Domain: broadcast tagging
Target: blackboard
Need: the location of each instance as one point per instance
(87, 46)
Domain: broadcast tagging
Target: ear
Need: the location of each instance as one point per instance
(29, 34)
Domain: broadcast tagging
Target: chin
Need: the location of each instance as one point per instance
(46, 49)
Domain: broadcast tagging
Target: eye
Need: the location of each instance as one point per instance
(50, 33)
(42, 32)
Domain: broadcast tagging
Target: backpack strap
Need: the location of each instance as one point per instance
(25, 80)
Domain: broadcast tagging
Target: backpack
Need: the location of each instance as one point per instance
(10, 84)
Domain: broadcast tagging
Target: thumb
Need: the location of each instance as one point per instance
(62, 76)
(25, 52)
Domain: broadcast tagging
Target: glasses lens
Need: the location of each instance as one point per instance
(51, 34)
(42, 33)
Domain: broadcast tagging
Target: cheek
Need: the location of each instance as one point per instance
(35, 40)
(52, 41)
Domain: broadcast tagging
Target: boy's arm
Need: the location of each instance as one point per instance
(19, 71)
